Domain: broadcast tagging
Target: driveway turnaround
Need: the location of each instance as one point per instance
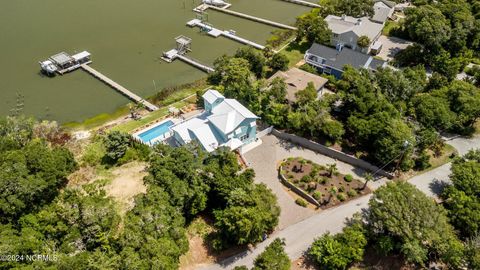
(299, 236)
(266, 158)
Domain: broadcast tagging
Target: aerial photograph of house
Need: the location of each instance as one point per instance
(240, 135)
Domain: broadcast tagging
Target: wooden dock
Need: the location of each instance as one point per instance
(214, 32)
(195, 63)
(252, 18)
(149, 106)
(303, 3)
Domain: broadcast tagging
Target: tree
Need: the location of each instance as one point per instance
(340, 250)
(427, 25)
(154, 234)
(313, 28)
(465, 101)
(306, 95)
(332, 169)
(473, 252)
(355, 8)
(176, 171)
(434, 112)
(419, 226)
(462, 199)
(363, 41)
(250, 213)
(277, 91)
(368, 177)
(255, 59)
(31, 173)
(273, 257)
(116, 144)
(279, 61)
(396, 139)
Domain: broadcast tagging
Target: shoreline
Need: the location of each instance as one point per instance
(122, 114)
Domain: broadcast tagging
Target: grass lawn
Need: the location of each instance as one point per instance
(134, 124)
(389, 27)
(174, 99)
(295, 51)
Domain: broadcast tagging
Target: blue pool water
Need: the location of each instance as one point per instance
(155, 132)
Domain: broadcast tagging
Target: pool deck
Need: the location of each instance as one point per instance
(158, 139)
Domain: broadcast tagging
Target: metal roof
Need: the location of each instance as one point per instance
(346, 56)
(62, 58)
(212, 95)
(360, 26)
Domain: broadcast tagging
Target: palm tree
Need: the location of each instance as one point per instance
(331, 168)
(368, 177)
(332, 192)
(302, 162)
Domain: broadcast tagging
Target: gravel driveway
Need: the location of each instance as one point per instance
(265, 158)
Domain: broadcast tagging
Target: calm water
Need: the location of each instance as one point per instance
(126, 39)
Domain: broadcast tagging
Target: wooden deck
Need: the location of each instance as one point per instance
(149, 106)
(252, 18)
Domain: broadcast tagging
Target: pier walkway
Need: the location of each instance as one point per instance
(253, 18)
(195, 63)
(214, 32)
(149, 106)
(303, 3)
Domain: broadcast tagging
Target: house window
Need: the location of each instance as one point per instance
(327, 70)
(244, 137)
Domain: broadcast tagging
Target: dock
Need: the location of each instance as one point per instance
(249, 17)
(303, 3)
(149, 106)
(195, 63)
(214, 32)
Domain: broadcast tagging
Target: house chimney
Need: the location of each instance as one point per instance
(359, 21)
(344, 17)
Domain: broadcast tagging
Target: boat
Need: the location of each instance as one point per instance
(217, 3)
(48, 67)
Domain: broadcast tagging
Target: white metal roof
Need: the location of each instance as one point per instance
(360, 26)
(81, 55)
(229, 114)
(212, 95)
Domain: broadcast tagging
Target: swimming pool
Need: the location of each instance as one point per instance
(156, 132)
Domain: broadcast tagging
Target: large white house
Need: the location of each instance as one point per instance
(225, 122)
(346, 30)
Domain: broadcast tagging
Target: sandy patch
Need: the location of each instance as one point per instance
(127, 181)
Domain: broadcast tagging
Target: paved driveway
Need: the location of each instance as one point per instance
(265, 159)
(391, 46)
(299, 236)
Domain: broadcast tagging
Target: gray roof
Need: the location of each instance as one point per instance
(212, 95)
(62, 58)
(346, 56)
(360, 26)
(381, 12)
(390, 4)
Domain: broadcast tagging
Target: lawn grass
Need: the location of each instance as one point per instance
(97, 120)
(174, 99)
(153, 116)
(390, 26)
(448, 150)
(295, 51)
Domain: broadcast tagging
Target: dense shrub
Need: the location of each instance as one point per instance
(348, 178)
(301, 202)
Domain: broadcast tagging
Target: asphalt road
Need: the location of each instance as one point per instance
(299, 236)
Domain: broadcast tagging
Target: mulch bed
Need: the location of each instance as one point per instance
(315, 180)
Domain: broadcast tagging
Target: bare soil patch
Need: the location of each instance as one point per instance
(127, 181)
(200, 251)
(323, 183)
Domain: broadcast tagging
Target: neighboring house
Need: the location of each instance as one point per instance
(383, 10)
(225, 122)
(346, 30)
(331, 61)
(297, 79)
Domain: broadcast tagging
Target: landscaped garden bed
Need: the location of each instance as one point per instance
(321, 183)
